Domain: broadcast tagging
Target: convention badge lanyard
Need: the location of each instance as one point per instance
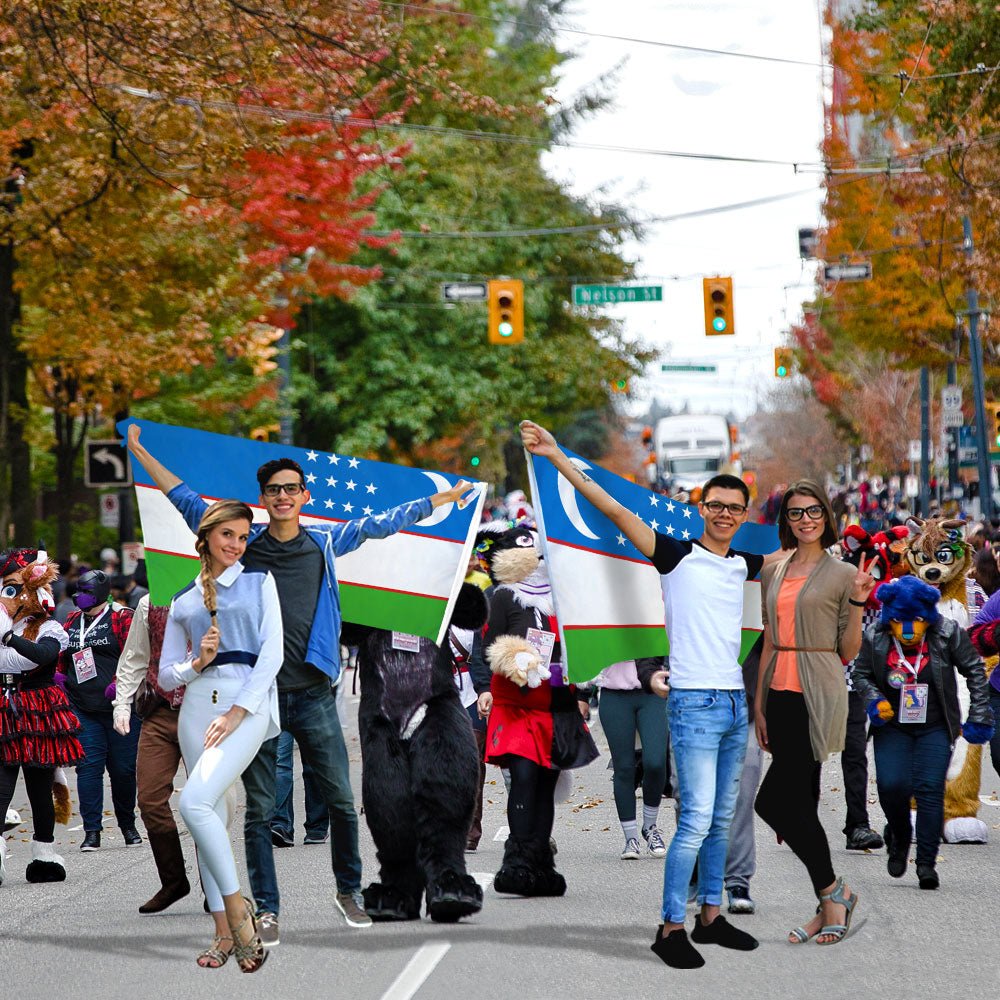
(84, 632)
(912, 696)
(83, 659)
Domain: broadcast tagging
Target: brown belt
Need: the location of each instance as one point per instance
(802, 649)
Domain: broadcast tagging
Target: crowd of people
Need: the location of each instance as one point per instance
(247, 662)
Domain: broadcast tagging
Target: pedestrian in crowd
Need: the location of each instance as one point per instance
(232, 617)
(126, 591)
(317, 821)
(137, 691)
(811, 609)
(702, 581)
(97, 632)
(985, 634)
(629, 707)
(302, 561)
(38, 732)
(65, 606)
(907, 675)
(984, 576)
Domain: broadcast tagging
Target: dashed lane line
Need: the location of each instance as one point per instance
(416, 971)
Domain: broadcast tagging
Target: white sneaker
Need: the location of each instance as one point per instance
(632, 850)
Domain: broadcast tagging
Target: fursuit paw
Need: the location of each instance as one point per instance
(386, 902)
(516, 659)
(453, 896)
(879, 711)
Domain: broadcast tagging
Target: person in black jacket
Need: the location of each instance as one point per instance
(906, 674)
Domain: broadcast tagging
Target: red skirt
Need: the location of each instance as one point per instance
(541, 724)
(38, 728)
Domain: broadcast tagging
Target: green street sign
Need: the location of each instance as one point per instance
(688, 368)
(599, 295)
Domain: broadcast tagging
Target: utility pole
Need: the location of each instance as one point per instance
(925, 440)
(978, 381)
(953, 482)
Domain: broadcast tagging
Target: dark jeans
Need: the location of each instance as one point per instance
(854, 763)
(317, 815)
(995, 742)
(106, 749)
(623, 714)
(913, 765)
(788, 800)
(311, 717)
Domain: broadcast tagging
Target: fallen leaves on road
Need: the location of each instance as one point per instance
(589, 804)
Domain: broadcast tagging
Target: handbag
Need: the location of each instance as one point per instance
(146, 699)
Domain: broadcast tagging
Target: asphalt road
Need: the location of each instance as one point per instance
(85, 937)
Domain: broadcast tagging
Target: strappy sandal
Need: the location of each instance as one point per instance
(252, 953)
(801, 935)
(214, 957)
(838, 931)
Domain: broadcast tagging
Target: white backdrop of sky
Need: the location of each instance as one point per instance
(702, 103)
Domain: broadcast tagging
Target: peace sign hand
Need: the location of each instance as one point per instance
(864, 582)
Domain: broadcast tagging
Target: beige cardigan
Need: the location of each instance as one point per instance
(821, 614)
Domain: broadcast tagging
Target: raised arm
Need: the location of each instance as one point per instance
(540, 442)
(159, 473)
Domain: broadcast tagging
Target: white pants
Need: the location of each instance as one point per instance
(203, 801)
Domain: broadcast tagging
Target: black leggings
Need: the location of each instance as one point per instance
(38, 782)
(788, 800)
(531, 809)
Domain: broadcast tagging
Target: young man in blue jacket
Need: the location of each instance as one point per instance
(302, 561)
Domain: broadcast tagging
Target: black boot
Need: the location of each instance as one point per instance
(169, 858)
(517, 875)
(548, 882)
(387, 902)
(897, 853)
(452, 896)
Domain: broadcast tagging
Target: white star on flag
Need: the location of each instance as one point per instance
(310, 478)
(687, 511)
(367, 511)
(311, 456)
(670, 529)
(371, 487)
(333, 460)
(350, 484)
(330, 481)
(353, 463)
(310, 502)
(654, 525)
(621, 539)
(685, 534)
(328, 504)
(654, 500)
(349, 508)
(670, 507)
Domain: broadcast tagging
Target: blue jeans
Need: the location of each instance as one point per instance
(910, 764)
(106, 749)
(708, 734)
(317, 815)
(311, 718)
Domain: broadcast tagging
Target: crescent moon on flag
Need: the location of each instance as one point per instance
(439, 514)
(568, 497)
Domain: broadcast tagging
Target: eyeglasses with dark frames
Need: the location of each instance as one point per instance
(717, 507)
(814, 512)
(274, 489)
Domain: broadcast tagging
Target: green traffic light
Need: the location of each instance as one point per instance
(719, 324)
(505, 330)
(474, 461)
(781, 371)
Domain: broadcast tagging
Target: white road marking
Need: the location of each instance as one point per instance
(989, 800)
(73, 829)
(484, 879)
(416, 971)
(502, 834)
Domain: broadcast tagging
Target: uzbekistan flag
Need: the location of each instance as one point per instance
(607, 595)
(407, 582)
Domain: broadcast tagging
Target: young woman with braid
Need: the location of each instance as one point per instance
(223, 642)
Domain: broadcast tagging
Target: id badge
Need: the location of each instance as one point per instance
(406, 643)
(913, 702)
(84, 665)
(544, 643)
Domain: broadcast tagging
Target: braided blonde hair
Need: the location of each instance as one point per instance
(218, 513)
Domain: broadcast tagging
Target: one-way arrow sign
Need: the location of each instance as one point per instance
(464, 291)
(848, 272)
(106, 464)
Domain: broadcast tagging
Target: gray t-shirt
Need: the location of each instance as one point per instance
(297, 568)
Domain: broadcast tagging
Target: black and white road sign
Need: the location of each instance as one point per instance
(848, 272)
(463, 291)
(106, 464)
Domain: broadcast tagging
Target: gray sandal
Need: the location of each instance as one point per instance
(801, 935)
(838, 931)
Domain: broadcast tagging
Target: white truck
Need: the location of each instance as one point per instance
(691, 448)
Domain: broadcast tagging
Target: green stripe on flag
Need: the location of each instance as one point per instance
(587, 647)
(388, 609)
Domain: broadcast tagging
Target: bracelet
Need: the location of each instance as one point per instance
(857, 604)
(7, 636)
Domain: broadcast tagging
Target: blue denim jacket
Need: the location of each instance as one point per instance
(335, 540)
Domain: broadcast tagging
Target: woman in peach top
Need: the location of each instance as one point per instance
(812, 605)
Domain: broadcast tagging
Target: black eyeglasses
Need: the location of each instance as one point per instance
(717, 507)
(274, 489)
(814, 512)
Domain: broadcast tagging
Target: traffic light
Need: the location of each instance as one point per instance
(992, 423)
(718, 293)
(506, 309)
(782, 362)
(474, 461)
(620, 385)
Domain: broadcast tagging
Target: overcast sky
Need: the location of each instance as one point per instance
(692, 102)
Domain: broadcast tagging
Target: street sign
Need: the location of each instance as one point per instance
(599, 295)
(110, 510)
(688, 368)
(463, 291)
(968, 451)
(848, 272)
(132, 552)
(867, 453)
(951, 397)
(914, 453)
(952, 418)
(106, 464)
(912, 487)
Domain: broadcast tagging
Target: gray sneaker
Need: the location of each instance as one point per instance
(654, 841)
(631, 851)
(267, 928)
(352, 906)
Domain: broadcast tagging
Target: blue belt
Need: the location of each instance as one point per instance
(234, 656)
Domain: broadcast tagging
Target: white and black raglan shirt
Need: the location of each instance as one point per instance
(703, 600)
